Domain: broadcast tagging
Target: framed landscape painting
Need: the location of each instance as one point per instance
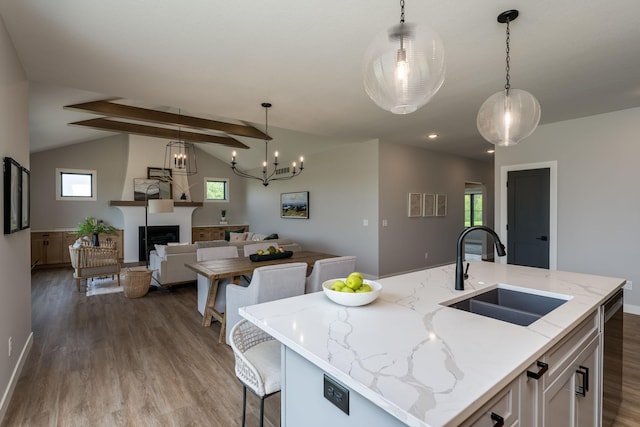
(294, 205)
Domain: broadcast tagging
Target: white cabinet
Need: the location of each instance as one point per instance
(502, 410)
(560, 389)
(572, 399)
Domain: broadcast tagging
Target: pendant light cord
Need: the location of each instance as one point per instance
(402, 11)
(507, 86)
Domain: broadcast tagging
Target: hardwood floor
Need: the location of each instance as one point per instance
(112, 361)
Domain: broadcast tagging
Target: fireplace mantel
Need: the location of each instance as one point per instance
(142, 203)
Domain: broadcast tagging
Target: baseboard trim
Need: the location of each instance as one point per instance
(6, 398)
(632, 309)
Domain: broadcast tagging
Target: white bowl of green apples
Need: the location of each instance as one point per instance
(352, 291)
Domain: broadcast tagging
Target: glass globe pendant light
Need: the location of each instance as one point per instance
(404, 67)
(508, 116)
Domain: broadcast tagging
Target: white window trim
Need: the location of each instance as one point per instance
(94, 184)
(204, 196)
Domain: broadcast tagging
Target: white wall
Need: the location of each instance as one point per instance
(343, 192)
(598, 202)
(15, 280)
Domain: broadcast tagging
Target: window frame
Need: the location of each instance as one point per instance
(94, 184)
(227, 190)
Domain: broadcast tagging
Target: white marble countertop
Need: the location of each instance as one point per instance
(424, 363)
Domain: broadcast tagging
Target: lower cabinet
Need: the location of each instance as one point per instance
(573, 398)
(560, 389)
(502, 410)
(52, 247)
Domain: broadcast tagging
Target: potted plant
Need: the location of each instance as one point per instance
(93, 227)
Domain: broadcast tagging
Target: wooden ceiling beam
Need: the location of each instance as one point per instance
(113, 109)
(157, 132)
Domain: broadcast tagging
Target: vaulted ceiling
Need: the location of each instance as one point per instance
(220, 59)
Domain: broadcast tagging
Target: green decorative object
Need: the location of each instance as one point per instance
(93, 227)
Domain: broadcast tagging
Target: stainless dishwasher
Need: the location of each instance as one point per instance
(612, 358)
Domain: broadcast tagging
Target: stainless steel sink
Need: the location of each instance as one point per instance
(512, 304)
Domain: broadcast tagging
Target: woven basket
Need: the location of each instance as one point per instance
(137, 281)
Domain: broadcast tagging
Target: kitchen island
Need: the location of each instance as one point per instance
(408, 358)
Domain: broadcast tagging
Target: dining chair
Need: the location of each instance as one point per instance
(204, 283)
(257, 356)
(329, 268)
(269, 283)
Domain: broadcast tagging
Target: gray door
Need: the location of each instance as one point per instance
(528, 218)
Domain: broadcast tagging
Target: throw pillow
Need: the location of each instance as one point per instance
(237, 237)
(227, 233)
(161, 250)
(273, 236)
(258, 237)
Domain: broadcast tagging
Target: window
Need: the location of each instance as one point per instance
(216, 189)
(472, 209)
(76, 184)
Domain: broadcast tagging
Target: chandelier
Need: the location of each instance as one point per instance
(404, 67)
(180, 156)
(267, 177)
(508, 116)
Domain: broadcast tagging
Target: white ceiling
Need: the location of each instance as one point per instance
(221, 59)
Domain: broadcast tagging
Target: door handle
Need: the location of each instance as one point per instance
(582, 389)
(498, 419)
(543, 238)
(537, 375)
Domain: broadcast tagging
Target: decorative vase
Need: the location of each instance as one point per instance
(96, 241)
(183, 197)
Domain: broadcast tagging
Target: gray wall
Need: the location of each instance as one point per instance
(209, 213)
(405, 169)
(107, 156)
(598, 201)
(15, 280)
(343, 191)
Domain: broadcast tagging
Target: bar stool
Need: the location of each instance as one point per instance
(257, 357)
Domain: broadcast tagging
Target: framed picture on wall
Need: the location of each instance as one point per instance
(415, 204)
(164, 178)
(429, 205)
(150, 187)
(12, 198)
(294, 205)
(25, 189)
(441, 205)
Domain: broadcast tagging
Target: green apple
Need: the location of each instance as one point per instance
(355, 280)
(364, 288)
(338, 285)
(347, 289)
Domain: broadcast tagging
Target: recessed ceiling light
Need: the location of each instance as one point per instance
(432, 136)
(491, 151)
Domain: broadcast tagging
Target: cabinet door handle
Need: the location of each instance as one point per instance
(582, 389)
(537, 375)
(498, 419)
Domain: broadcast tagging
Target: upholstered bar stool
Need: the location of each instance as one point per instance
(257, 357)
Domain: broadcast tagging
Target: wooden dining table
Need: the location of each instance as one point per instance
(235, 268)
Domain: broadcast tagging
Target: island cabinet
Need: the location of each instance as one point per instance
(562, 388)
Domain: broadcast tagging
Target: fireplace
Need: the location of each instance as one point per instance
(157, 235)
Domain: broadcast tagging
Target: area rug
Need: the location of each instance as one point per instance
(104, 285)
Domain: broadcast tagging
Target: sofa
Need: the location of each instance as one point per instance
(240, 240)
(167, 261)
